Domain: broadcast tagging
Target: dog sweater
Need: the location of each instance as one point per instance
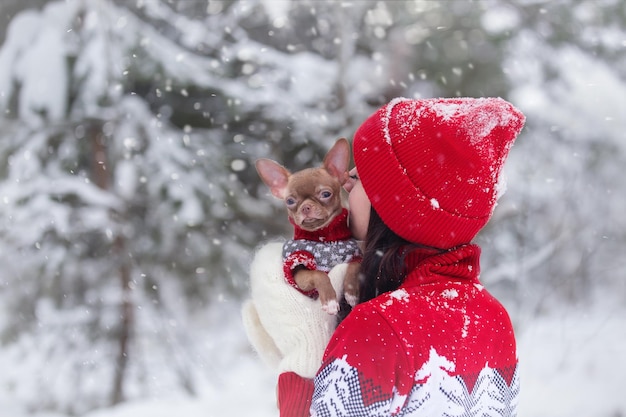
(320, 250)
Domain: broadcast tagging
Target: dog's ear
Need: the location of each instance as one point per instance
(337, 160)
(274, 176)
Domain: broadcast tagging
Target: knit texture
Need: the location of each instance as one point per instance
(291, 405)
(440, 345)
(320, 250)
(431, 167)
(288, 330)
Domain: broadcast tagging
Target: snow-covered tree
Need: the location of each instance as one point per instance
(104, 200)
(558, 237)
(129, 200)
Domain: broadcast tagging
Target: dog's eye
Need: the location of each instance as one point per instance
(290, 201)
(326, 194)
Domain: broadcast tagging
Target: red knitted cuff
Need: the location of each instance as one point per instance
(294, 395)
(299, 258)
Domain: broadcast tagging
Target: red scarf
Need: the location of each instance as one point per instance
(459, 264)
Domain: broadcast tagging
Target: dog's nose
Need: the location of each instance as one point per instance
(306, 208)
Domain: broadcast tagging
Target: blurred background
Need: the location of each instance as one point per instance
(130, 206)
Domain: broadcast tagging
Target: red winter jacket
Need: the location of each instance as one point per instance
(440, 345)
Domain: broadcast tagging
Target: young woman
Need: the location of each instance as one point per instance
(426, 339)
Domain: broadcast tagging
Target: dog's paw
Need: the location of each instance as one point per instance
(331, 307)
(352, 299)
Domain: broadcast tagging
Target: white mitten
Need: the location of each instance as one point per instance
(289, 330)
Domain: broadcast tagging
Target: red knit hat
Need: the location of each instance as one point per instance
(430, 167)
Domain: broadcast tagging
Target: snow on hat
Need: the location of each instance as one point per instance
(431, 167)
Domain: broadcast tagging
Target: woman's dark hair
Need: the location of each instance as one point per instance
(383, 268)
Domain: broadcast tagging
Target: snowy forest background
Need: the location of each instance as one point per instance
(130, 207)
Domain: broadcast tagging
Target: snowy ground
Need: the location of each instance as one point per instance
(572, 364)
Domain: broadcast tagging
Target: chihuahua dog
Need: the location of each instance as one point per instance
(322, 238)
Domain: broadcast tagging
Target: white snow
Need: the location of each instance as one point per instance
(400, 294)
(389, 108)
(570, 364)
(500, 18)
(450, 293)
(572, 359)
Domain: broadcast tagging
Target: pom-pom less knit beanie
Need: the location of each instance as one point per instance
(431, 167)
